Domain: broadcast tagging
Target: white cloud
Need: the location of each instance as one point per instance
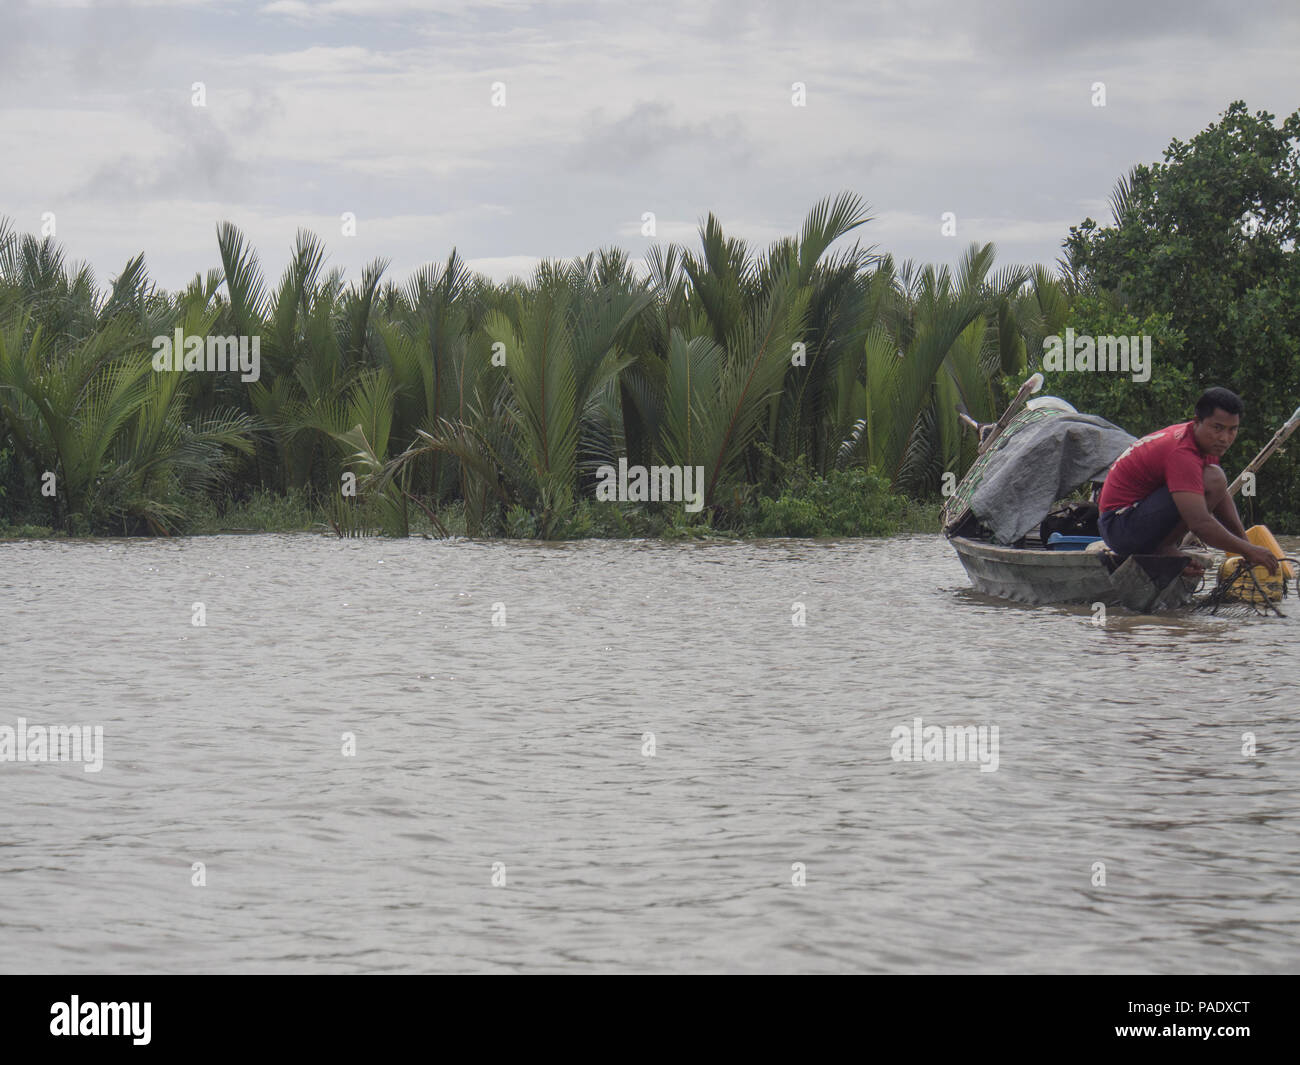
(892, 228)
(322, 60)
(383, 107)
(304, 9)
(503, 267)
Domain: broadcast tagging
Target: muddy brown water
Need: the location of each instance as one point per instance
(643, 765)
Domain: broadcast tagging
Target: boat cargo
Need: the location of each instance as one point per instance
(1016, 542)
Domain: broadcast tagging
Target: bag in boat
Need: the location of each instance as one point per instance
(1070, 519)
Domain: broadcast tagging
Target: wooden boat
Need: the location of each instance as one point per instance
(1145, 584)
(1025, 569)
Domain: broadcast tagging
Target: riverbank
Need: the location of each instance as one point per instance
(268, 514)
(843, 503)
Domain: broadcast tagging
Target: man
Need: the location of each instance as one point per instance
(1170, 483)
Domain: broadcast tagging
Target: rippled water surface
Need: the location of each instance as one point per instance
(526, 745)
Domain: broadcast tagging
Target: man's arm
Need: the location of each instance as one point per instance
(1192, 509)
(1227, 514)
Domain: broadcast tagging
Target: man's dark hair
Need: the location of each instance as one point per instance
(1213, 399)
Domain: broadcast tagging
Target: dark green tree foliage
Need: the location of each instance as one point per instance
(1137, 406)
(1208, 238)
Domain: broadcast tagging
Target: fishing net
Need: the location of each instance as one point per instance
(1239, 593)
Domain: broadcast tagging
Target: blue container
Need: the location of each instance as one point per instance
(1060, 542)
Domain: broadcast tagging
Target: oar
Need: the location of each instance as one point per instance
(1279, 438)
(1031, 385)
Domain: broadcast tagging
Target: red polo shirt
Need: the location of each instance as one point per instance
(1168, 457)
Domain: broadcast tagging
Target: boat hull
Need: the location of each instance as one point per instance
(1142, 583)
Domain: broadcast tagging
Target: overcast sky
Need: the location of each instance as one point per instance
(384, 108)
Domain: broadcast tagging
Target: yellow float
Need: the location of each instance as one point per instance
(1265, 585)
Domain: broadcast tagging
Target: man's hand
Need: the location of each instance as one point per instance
(1261, 556)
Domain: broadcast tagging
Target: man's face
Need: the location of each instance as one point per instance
(1215, 434)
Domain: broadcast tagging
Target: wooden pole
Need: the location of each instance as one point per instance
(1032, 385)
(1279, 438)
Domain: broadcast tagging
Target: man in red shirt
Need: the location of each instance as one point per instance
(1170, 483)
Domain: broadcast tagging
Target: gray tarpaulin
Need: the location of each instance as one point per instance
(1044, 462)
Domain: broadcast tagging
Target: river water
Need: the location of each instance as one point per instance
(643, 765)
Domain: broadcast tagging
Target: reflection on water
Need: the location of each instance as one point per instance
(521, 752)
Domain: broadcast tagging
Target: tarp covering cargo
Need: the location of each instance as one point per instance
(1042, 456)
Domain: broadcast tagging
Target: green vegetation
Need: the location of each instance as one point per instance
(817, 390)
(1206, 241)
(261, 511)
(457, 406)
(844, 503)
